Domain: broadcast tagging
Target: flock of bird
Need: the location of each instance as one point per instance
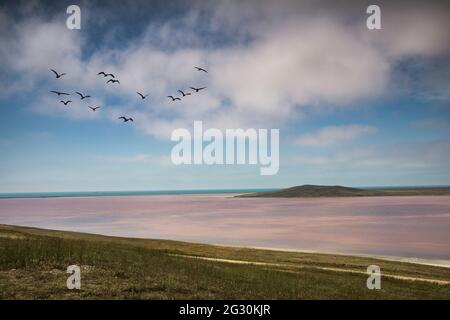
(112, 79)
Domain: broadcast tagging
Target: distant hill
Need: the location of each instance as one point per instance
(308, 191)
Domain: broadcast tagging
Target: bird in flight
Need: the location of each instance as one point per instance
(113, 81)
(197, 89)
(173, 98)
(142, 95)
(125, 119)
(81, 95)
(66, 102)
(106, 74)
(184, 94)
(201, 69)
(60, 93)
(93, 108)
(58, 75)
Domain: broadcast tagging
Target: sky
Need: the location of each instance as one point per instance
(354, 106)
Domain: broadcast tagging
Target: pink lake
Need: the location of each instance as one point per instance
(398, 226)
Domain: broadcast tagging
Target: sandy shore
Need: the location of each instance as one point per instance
(429, 262)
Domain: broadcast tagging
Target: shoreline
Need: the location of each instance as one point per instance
(127, 268)
(428, 262)
(412, 260)
(240, 192)
(231, 195)
(94, 194)
(302, 222)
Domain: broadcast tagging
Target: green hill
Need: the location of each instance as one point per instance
(33, 265)
(340, 191)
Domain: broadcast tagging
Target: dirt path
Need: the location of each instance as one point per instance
(268, 264)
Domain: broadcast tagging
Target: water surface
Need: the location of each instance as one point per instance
(398, 226)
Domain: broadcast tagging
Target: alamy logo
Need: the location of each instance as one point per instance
(74, 20)
(374, 279)
(74, 280)
(374, 20)
(233, 143)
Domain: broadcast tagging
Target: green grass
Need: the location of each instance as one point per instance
(33, 263)
(308, 191)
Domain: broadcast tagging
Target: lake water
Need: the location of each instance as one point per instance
(398, 226)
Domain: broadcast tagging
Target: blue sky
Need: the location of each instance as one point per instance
(354, 107)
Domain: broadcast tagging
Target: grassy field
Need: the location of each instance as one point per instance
(308, 191)
(33, 264)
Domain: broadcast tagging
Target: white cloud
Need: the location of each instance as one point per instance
(334, 134)
(413, 156)
(415, 28)
(286, 58)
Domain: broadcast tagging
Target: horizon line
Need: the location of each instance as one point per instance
(50, 194)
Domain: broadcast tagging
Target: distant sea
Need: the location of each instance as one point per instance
(122, 193)
(159, 192)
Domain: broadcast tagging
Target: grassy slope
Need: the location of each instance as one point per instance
(33, 264)
(340, 191)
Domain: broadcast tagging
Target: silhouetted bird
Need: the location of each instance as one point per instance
(66, 102)
(197, 89)
(173, 98)
(126, 119)
(60, 93)
(93, 108)
(58, 75)
(113, 81)
(142, 96)
(201, 69)
(184, 94)
(105, 74)
(81, 95)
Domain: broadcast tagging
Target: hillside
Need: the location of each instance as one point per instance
(33, 265)
(340, 191)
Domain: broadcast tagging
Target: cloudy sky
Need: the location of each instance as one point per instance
(354, 106)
